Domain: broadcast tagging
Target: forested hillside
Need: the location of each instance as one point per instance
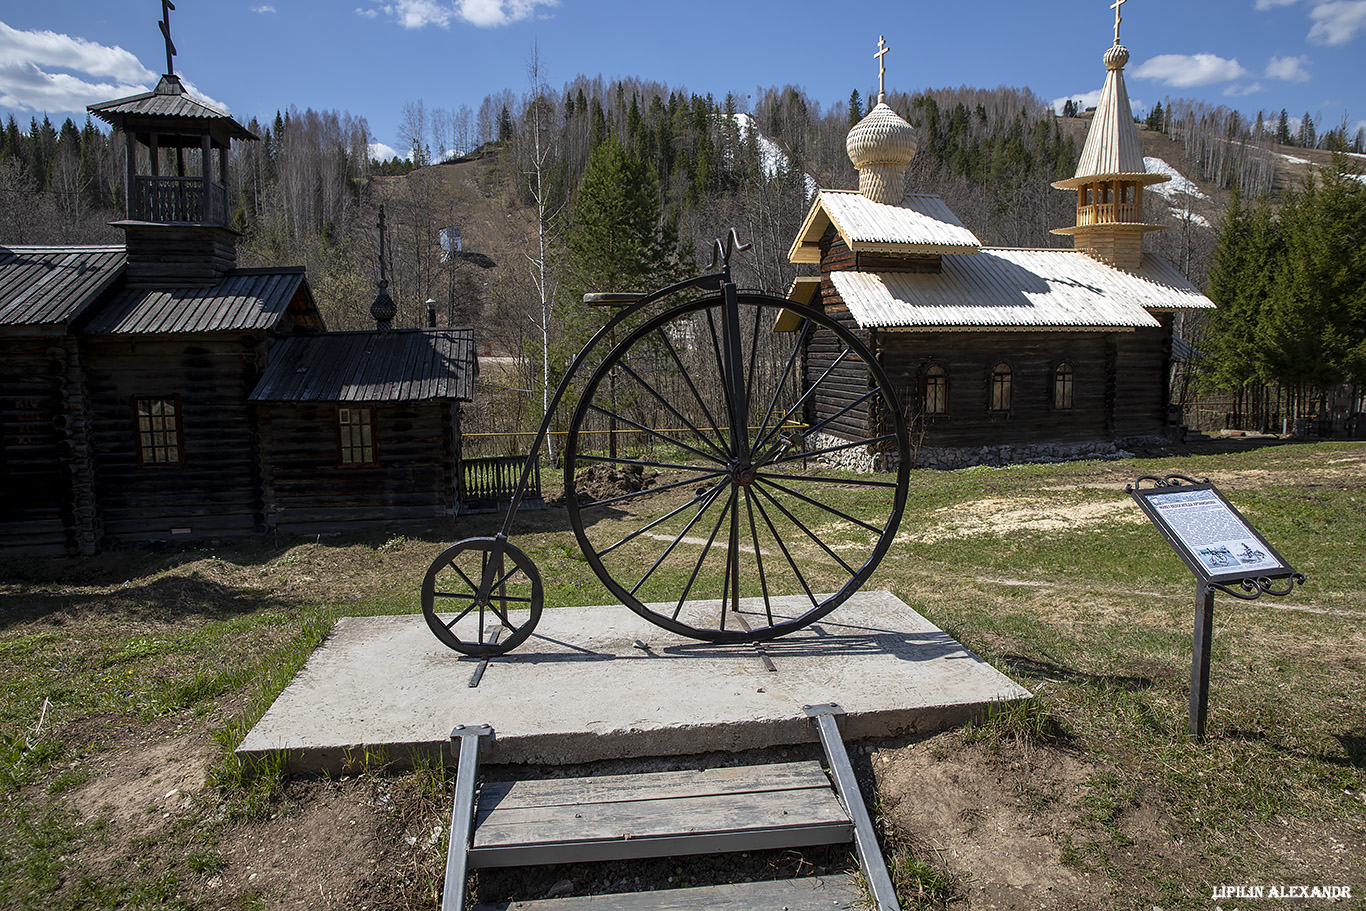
(308, 192)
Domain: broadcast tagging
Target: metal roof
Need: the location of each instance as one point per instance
(49, 286)
(920, 223)
(1018, 289)
(404, 365)
(168, 100)
(244, 299)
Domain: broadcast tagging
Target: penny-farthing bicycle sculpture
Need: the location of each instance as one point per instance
(728, 441)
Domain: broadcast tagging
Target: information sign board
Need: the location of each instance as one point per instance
(1209, 534)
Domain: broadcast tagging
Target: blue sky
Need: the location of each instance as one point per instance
(371, 57)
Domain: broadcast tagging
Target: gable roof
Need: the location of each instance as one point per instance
(168, 101)
(403, 365)
(1007, 288)
(245, 299)
(920, 223)
(51, 286)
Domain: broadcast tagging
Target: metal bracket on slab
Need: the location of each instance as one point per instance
(870, 857)
(469, 738)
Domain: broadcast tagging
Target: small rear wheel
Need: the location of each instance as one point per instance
(482, 596)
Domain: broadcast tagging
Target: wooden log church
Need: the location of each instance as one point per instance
(155, 391)
(999, 355)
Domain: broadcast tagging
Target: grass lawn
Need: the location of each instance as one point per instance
(126, 679)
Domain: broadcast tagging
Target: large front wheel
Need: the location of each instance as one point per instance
(730, 482)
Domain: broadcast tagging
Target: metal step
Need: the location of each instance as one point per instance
(660, 814)
(812, 893)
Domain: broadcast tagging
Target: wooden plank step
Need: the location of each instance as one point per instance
(812, 893)
(657, 814)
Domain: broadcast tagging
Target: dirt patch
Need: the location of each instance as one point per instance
(601, 481)
(998, 516)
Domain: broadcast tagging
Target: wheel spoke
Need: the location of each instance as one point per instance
(792, 358)
(462, 615)
(844, 482)
(720, 453)
(819, 505)
(687, 378)
(702, 558)
(758, 504)
(758, 556)
(811, 453)
(643, 463)
(796, 406)
(652, 432)
(656, 523)
(808, 532)
(712, 495)
(819, 425)
(649, 490)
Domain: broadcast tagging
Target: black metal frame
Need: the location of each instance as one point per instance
(1249, 586)
(740, 461)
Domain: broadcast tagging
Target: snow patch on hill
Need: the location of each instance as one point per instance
(770, 153)
(1177, 184)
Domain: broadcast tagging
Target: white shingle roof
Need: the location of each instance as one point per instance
(1018, 289)
(920, 223)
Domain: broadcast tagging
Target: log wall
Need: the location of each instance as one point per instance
(307, 491)
(216, 490)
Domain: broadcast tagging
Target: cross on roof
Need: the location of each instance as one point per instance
(882, 65)
(1115, 6)
(165, 23)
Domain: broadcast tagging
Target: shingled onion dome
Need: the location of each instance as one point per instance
(881, 147)
(1111, 176)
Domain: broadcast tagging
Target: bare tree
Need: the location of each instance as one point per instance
(539, 125)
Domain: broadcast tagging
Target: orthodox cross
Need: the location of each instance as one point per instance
(165, 23)
(882, 65)
(1115, 6)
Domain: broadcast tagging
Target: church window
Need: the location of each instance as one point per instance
(158, 427)
(356, 429)
(999, 398)
(1062, 386)
(935, 399)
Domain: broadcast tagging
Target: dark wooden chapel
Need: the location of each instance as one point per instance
(155, 391)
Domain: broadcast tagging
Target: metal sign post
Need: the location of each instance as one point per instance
(1223, 551)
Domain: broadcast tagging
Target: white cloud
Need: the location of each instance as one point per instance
(1337, 22)
(381, 152)
(42, 48)
(263, 9)
(94, 72)
(1084, 99)
(1186, 70)
(1238, 91)
(415, 14)
(1291, 69)
(1270, 4)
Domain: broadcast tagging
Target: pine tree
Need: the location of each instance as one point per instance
(1283, 128)
(855, 107)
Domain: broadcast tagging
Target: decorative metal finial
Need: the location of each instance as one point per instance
(383, 311)
(882, 66)
(165, 23)
(1115, 6)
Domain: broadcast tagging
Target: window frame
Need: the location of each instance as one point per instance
(994, 385)
(343, 447)
(928, 379)
(178, 430)
(1071, 386)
